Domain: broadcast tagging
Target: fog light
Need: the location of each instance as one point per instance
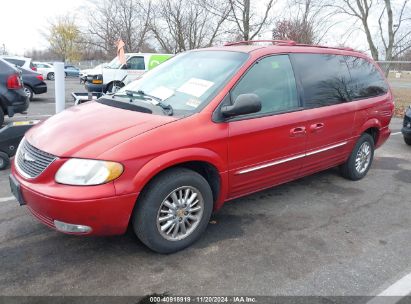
(71, 228)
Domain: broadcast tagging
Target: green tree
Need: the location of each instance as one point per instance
(64, 37)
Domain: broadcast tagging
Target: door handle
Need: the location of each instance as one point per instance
(316, 127)
(298, 131)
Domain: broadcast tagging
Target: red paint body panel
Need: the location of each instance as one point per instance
(147, 144)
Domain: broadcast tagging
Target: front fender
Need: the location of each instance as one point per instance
(172, 158)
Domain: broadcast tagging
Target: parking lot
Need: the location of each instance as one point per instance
(320, 235)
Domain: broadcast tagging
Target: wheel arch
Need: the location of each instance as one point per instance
(203, 161)
(372, 127)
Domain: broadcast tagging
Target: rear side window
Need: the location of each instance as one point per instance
(324, 78)
(17, 62)
(271, 79)
(367, 81)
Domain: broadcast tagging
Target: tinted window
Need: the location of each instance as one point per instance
(136, 63)
(15, 61)
(272, 79)
(367, 81)
(324, 79)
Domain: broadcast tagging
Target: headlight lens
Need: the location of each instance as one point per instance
(88, 172)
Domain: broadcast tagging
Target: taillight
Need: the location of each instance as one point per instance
(40, 77)
(34, 68)
(14, 82)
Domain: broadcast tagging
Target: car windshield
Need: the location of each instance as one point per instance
(190, 79)
(115, 63)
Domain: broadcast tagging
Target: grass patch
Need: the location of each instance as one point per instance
(402, 99)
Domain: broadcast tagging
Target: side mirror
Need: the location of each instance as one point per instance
(125, 66)
(244, 104)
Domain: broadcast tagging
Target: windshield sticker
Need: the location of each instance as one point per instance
(192, 102)
(162, 92)
(195, 87)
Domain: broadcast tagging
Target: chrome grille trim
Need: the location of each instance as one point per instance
(37, 163)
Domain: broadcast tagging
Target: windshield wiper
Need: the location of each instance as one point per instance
(167, 108)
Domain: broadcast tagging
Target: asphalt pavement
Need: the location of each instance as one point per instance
(319, 235)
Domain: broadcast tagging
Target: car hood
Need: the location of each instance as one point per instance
(90, 129)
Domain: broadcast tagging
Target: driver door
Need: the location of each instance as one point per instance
(135, 68)
(266, 148)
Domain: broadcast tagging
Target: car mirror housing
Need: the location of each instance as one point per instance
(243, 104)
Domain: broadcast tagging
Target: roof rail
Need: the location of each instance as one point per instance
(326, 47)
(277, 42)
(287, 43)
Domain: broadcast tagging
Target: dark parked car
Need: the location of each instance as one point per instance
(33, 83)
(71, 71)
(13, 99)
(406, 128)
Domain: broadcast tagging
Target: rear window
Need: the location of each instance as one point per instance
(324, 77)
(367, 81)
(17, 62)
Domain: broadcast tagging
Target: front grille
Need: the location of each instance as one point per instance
(30, 161)
(406, 120)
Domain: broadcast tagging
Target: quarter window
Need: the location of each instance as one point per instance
(367, 81)
(324, 77)
(272, 80)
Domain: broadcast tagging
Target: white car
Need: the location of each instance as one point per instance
(116, 75)
(22, 62)
(93, 71)
(46, 69)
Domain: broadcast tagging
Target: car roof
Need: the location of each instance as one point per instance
(286, 46)
(15, 57)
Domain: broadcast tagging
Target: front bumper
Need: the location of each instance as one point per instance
(406, 132)
(105, 215)
(91, 87)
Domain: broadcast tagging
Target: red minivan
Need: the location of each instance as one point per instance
(205, 127)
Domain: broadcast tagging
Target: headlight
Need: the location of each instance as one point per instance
(88, 172)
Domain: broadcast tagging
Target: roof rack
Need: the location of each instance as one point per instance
(287, 43)
(277, 42)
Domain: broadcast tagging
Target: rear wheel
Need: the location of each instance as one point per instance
(360, 160)
(29, 92)
(4, 161)
(50, 76)
(173, 211)
(407, 140)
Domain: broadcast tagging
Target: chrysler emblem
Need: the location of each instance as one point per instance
(28, 158)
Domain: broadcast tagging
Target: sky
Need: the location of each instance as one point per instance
(25, 31)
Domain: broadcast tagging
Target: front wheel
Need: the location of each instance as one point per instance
(173, 211)
(114, 87)
(50, 76)
(1, 117)
(407, 140)
(360, 160)
(4, 161)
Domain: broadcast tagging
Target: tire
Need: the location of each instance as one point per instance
(407, 140)
(65, 75)
(29, 92)
(50, 76)
(146, 215)
(360, 160)
(4, 161)
(1, 117)
(112, 86)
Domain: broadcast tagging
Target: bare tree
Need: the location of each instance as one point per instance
(182, 25)
(115, 19)
(244, 14)
(296, 30)
(393, 35)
